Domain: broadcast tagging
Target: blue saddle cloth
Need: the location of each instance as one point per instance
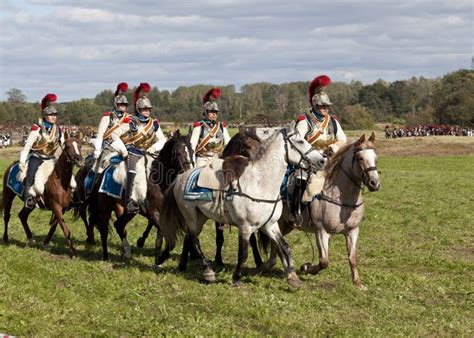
(12, 181)
(284, 184)
(192, 192)
(108, 185)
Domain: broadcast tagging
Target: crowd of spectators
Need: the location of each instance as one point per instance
(426, 130)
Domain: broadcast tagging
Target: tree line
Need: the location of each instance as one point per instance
(445, 100)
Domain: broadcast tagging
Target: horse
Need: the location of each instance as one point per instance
(175, 157)
(56, 197)
(339, 208)
(256, 204)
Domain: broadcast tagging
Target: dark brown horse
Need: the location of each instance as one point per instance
(175, 157)
(56, 197)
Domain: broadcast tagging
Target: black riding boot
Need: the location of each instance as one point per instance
(131, 206)
(296, 216)
(33, 165)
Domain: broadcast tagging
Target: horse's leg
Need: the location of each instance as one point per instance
(273, 231)
(219, 244)
(351, 243)
(146, 233)
(208, 274)
(58, 211)
(89, 227)
(322, 241)
(7, 200)
(285, 228)
(256, 253)
(52, 229)
(244, 235)
(183, 261)
(23, 215)
(119, 225)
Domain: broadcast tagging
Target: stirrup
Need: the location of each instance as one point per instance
(30, 202)
(132, 207)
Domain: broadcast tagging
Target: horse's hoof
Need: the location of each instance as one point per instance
(45, 245)
(361, 287)
(31, 242)
(306, 267)
(5, 239)
(141, 242)
(90, 241)
(157, 268)
(209, 275)
(294, 280)
(264, 268)
(219, 261)
(127, 253)
(237, 283)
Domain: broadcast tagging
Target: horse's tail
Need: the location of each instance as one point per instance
(172, 222)
(263, 242)
(4, 191)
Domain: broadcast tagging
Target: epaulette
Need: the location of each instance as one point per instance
(107, 113)
(196, 124)
(300, 118)
(35, 127)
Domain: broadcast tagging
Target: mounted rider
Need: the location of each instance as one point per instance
(322, 130)
(111, 127)
(144, 135)
(209, 137)
(41, 144)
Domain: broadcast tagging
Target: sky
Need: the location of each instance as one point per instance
(77, 48)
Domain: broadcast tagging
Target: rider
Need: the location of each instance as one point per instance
(209, 137)
(322, 130)
(144, 135)
(112, 125)
(43, 140)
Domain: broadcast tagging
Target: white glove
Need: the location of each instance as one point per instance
(124, 154)
(96, 154)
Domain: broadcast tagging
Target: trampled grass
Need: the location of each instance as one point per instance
(416, 256)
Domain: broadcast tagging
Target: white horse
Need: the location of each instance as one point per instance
(340, 208)
(256, 203)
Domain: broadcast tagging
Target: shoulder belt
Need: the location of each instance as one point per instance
(140, 135)
(314, 136)
(114, 128)
(208, 137)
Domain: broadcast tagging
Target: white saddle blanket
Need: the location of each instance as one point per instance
(41, 176)
(139, 187)
(212, 176)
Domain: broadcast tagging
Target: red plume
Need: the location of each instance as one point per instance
(122, 88)
(213, 92)
(49, 98)
(318, 82)
(143, 87)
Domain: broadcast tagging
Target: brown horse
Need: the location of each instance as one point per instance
(56, 197)
(175, 157)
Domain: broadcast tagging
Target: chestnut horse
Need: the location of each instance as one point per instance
(56, 197)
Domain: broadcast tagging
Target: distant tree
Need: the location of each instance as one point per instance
(356, 117)
(16, 96)
(84, 111)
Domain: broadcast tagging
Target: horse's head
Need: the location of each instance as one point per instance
(72, 150)
(299, 152)
(366, 158)
(250, 142)
(177, 153)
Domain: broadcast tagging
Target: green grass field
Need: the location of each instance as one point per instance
(416, 256)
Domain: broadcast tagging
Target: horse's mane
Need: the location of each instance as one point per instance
(336, 160)
(264, 146)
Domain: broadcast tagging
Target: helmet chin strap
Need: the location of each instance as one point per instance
(317, 113)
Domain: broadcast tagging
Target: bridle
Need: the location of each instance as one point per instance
(304, 155)
(176, 156)
(365, 172)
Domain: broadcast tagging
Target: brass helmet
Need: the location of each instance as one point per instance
(316, 95)
(47, 107)
(209, 100)
(141, 101)
(120, 98)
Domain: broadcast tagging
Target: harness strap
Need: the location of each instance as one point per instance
(323, 197)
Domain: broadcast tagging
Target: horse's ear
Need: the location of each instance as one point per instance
(66, 135)
(361, 140)
(177, 133)
(372, 137)
(293, 125)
